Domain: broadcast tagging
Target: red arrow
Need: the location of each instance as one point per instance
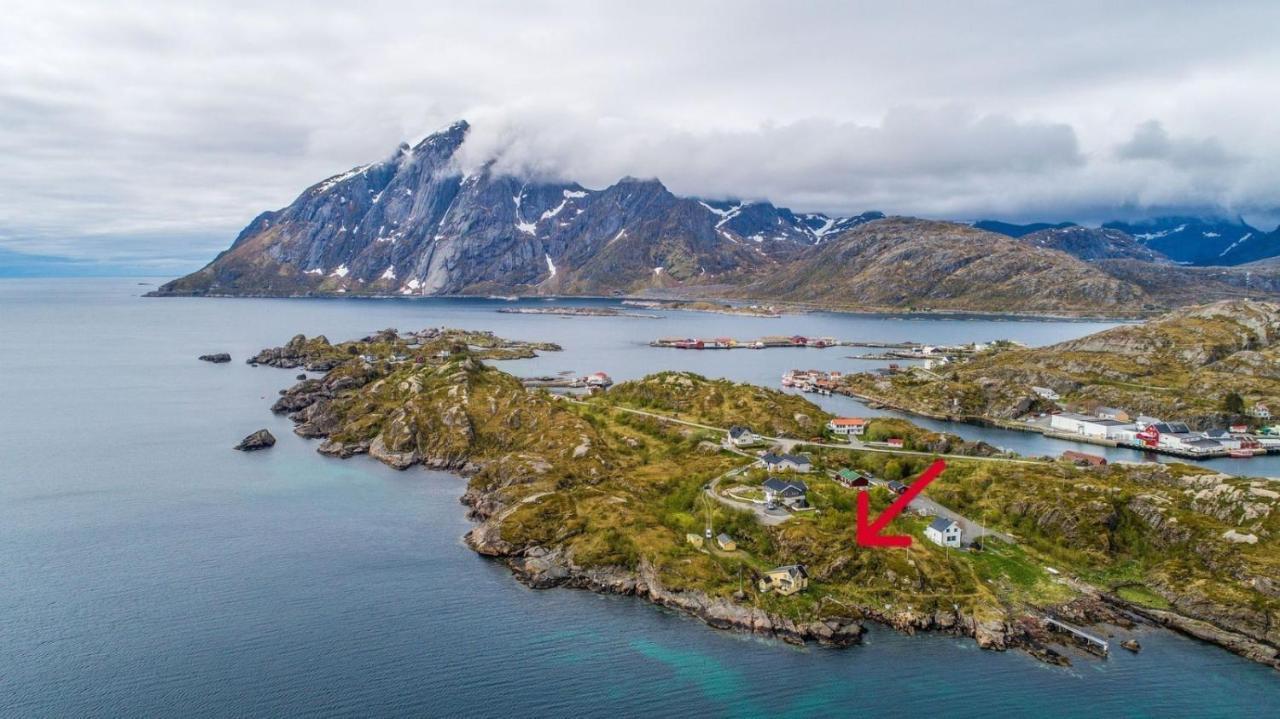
(869, 535)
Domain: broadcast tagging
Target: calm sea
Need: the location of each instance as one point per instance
(148, 570)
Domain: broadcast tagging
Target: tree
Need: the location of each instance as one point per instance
(1233, 403)
(893, 470)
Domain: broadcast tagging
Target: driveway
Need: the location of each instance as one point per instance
(972, 529)
(770, 517)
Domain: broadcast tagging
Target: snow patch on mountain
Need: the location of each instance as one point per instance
(1233, 245)
(1148, 236)
(554, 211)
(551, 266)
(725, 215)
(330, 183)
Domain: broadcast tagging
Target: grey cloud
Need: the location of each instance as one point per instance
(163, 122)
(797, 163)
(1151, 141)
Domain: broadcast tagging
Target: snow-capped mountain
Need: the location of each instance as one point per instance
(414, 223)
(1200, 241)
(1186, 240)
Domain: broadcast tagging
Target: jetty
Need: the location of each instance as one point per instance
(1092, 642)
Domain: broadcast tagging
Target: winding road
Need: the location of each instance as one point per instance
(972, 529)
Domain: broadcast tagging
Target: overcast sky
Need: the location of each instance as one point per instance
(149, 133)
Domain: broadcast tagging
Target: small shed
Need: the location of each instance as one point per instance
(852, 478)
(726, 543)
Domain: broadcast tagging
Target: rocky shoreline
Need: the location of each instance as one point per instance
(540, 568)
(308, 404)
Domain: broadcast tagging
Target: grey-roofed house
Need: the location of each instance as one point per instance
(784, 580)
(944, 532)
(788, 492)
(786, 462)
(740, 436)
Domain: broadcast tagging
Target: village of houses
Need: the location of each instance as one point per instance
(1115, 427)
(1105, 426)
(784, 493)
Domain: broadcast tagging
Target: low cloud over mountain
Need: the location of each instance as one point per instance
(179, 123)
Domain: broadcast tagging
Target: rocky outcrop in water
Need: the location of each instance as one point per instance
(262, 439)
(216, 358)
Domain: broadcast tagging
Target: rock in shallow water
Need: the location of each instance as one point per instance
(258, 440)
(216, 358)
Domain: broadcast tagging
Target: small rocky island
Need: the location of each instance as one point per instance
(576, 312)
(619, 493)
(216, 358)
(261, 439)
(722, 308)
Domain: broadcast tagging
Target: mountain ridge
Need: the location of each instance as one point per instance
(417, 223)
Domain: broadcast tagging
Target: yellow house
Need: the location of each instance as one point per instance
(726, 543)
(694, 539)
(785, 580)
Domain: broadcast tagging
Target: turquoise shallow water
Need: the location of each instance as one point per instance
(148, 570)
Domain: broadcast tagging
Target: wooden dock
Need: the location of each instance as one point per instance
(1090, 641)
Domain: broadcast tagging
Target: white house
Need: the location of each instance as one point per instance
(943, 532)
(1046, 393)
(740, 436)
(786, 462)
(1178, 437)
(1260, 411)
(847, 426)
(599, 379)
(789, 492)
(1227, 439)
